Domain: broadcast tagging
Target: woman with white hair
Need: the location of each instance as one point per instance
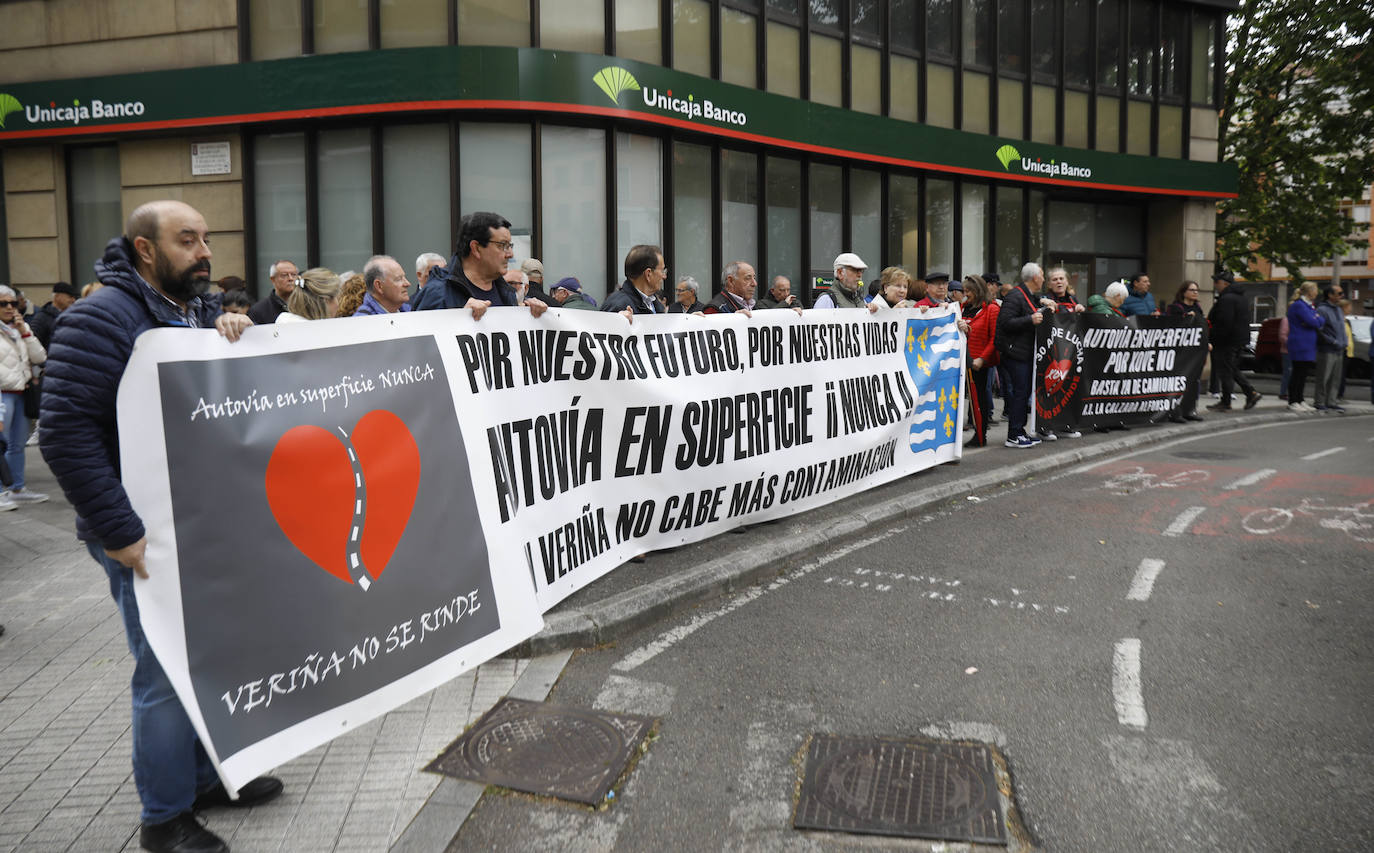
(1110, 302)
(19, 352)
(314, 297)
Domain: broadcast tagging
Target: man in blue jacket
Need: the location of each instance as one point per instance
(155, 275)
(1330, 351)
(1139, 301)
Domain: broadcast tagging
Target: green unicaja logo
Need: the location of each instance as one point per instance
(8, 104)
(1006, 154)
(613, 81)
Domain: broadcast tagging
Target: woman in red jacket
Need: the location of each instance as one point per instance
(981, 314)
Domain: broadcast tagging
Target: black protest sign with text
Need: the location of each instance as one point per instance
(1094, 370)
(345, 551)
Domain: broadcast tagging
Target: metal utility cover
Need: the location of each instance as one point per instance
(909, 787)
(557, 750)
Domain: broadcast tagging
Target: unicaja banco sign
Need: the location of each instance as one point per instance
(614, 80)
(74, 113)
(1007, 155)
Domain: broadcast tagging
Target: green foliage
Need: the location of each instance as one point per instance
(1298, 122)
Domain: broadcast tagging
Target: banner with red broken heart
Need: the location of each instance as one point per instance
(316, 547)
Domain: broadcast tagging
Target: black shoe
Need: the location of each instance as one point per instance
(1219, 407)
(1193, 416)
(1251, 399)
(1176, 418)
(181, 834)
(255, 793)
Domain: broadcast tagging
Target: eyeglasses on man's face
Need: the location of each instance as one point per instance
(503, 245)
(8, 303)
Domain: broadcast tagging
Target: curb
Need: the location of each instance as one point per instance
(615, 617)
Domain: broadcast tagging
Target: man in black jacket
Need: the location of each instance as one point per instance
(1230, 333)
(63, 295)
(1016, 324)
(645, 273)
(738, 283)
(474, 278)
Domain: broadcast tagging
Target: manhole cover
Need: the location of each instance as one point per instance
(539, 748)
(1207, 454)
(908, 787)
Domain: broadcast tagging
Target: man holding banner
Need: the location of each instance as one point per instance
(1016, 323)
(154, 276)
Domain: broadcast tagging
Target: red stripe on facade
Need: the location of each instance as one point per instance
(579, 109)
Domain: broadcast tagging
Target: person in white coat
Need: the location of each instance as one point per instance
(20, 351)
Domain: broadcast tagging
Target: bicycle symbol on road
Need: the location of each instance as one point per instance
(1136, 478)
(1357, 520)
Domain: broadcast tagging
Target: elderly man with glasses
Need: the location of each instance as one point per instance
(474, 277)
(283, 275)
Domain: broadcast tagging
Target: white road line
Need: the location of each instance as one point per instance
(1320, 453)
(669, 638)
(1179, 525)
(1126, 695)
(1250, 479)
(1144, 582)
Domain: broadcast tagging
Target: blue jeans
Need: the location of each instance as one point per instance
(17, 434)
(170, 765)
(1018, 395)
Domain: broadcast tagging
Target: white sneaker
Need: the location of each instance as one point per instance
(1070, 433)
(33, 440)
(1301, 408)
(25, 496)
(5, 503)
(1047, 435)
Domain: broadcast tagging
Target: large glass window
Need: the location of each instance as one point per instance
(1204, 58)
(1011, 37)
(939, 95)
(415, 199)
(573, 25)
(499, 22)
(279, 203)
(692, 215)
(1101, 229)
(739, 48)
(340, 25)
(275, 29)
(638, 30)
(1108, 44)
(784, 60)
(494, 172)
(639, 192)
(826, 79)
(1173, 37)
(1035, 233)
(939, 226)
(573, 175)
(904, 85)
(940, 27)
(739, 206)
(827, 210)
(977, 32)
(96, 214)
(1011, 222)
(903, 217)
(783, 197)
(867, 23)
(865, 218)
(1044, 40)
(1078, 43)
(345, 198)
(414, 23)
(692, 37)
(1140, 72)
(975, 236)
(977, 102)
(865, 79)
(904, 16)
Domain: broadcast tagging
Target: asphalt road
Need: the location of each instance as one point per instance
(1170, 648)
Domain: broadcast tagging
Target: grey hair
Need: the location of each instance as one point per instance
(372, 270)
(691, 283)
(1116, 289)
(6, 290)
(427, 260)
(730, 269)
(1052, 270)
(1030, 271)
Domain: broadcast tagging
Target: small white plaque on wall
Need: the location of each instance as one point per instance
(210, 158)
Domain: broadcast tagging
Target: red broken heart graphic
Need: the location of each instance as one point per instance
(1056, 373)
(313, 493)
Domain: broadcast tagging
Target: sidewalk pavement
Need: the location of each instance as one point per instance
(65, 777)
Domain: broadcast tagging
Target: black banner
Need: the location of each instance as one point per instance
(1093, 370)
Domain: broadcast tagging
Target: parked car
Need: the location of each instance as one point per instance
(1358, 364)
(1268, 359)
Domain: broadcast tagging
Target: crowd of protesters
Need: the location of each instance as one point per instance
(158, 274)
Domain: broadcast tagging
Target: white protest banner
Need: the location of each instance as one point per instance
(344, 514)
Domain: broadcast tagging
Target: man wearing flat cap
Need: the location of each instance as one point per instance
(845, 292)
(63, 295)
(937, 290)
